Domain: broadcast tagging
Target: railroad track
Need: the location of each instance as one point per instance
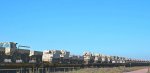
(42, 65)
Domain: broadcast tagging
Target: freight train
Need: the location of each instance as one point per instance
(10, 53)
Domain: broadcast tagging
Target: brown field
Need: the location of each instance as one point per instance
(107, 70)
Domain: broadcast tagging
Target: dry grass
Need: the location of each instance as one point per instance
(106, 70)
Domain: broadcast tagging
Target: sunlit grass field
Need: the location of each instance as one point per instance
(106, 70)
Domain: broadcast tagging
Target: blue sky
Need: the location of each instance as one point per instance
(113, 27)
